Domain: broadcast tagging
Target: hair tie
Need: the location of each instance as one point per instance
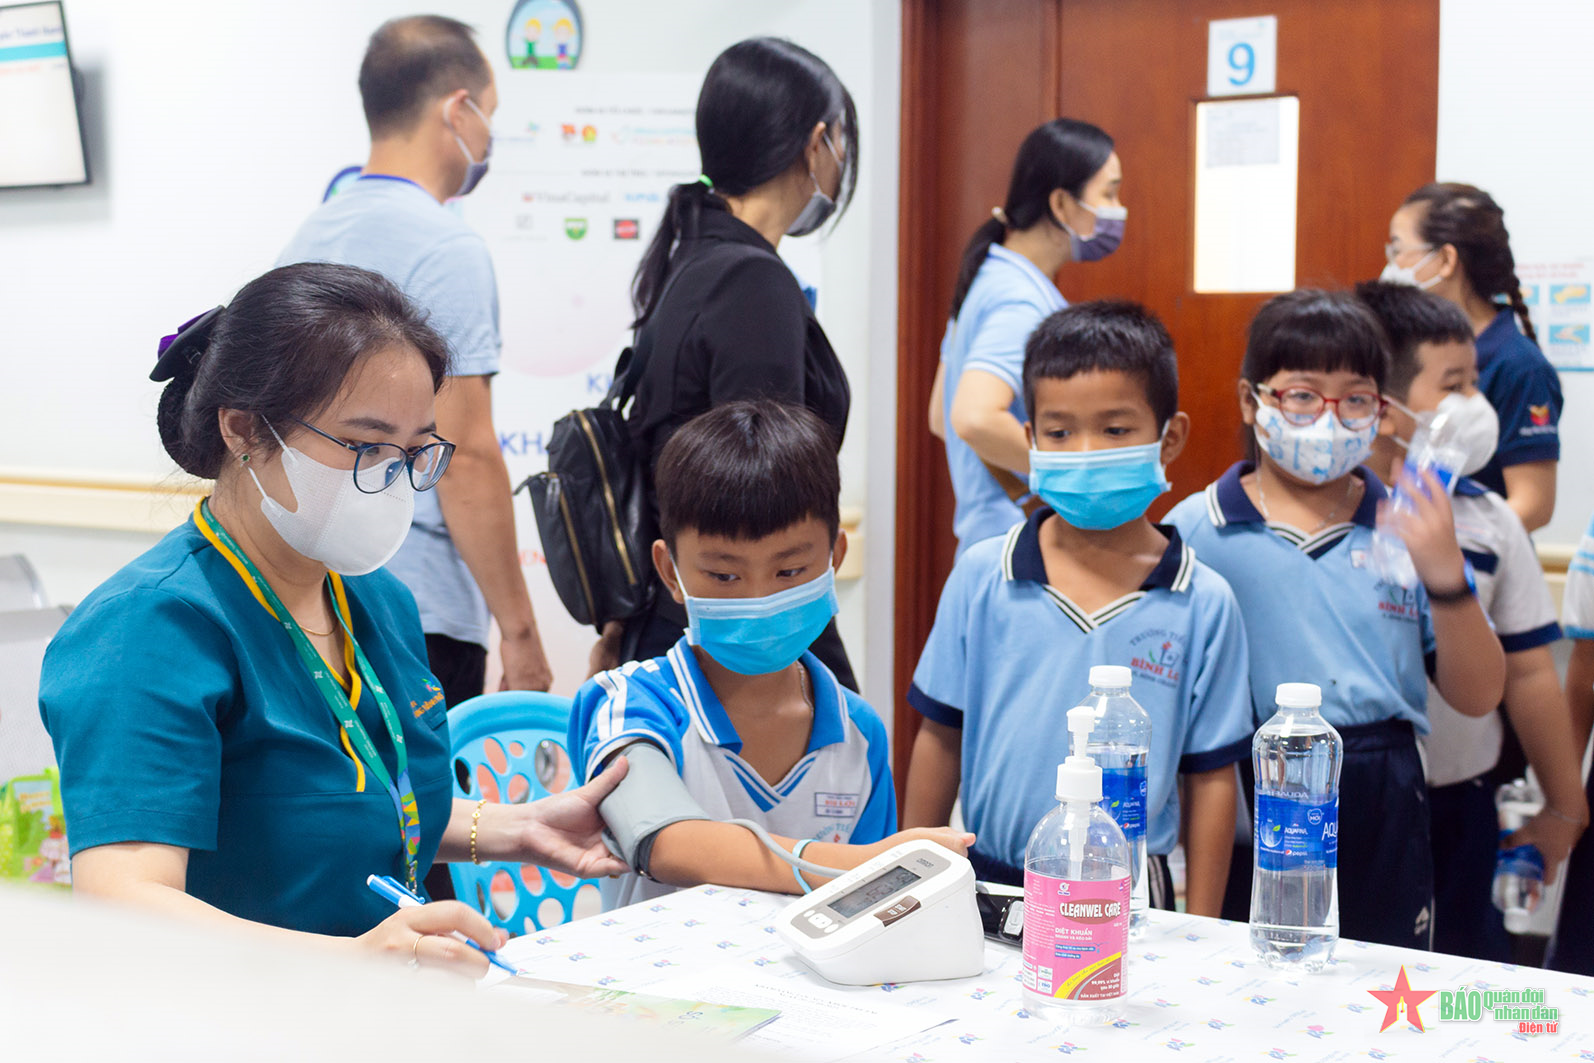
(1000, 215)
(183, 347)
(704, 180)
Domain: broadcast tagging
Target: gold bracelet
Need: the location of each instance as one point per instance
(1563, 817)
(475, 826)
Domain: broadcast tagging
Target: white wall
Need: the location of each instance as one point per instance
(1514, 88)
(212, 132)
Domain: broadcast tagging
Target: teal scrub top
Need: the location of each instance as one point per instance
(182, 715)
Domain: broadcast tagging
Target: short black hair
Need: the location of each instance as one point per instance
(1107, 335)
(281, 350)
(746, 470)
(1315, 331)
(412, 61)
(1411, 317)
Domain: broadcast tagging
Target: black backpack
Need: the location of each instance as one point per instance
(591, 509)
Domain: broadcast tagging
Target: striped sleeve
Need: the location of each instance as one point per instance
(618, 707)
(878, 820)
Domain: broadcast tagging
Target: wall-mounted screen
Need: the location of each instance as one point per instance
(41, 135)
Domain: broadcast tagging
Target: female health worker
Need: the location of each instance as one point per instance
(244, 719)
(720, 317)
(1062, 206)
(1451, 240)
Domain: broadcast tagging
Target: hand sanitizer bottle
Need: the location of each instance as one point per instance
(1077, 897)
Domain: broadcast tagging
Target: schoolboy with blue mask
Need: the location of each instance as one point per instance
(1090, 580)
(752, 724)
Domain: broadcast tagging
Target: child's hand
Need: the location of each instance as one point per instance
(958, 841)
(1429, 531)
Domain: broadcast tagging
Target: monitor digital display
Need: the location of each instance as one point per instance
(876, 889)
(39, 122)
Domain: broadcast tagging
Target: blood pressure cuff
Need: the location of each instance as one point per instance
(649, 798)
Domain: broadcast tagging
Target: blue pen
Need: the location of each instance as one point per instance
(389, 889)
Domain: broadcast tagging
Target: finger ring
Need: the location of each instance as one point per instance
(415, 952)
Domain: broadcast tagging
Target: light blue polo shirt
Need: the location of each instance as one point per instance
(839, 791)
(394, 227)
(1315, 609)
(1010, 654)
(182, 715)
(1008, 298)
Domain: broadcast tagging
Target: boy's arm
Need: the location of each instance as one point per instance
(693, 852)
(1469, 666)
(934, 774)
(1534, 701)
(1209, 839)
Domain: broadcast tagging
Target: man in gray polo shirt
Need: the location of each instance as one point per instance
(429, 95)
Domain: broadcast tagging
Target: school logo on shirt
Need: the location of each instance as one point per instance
(1158, 655)
(1397, 602)
(1539, 415)
(840, 806)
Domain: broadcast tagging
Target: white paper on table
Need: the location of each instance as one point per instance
(817, 1021)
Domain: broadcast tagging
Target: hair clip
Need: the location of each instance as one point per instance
(999, 214)
(185, 345)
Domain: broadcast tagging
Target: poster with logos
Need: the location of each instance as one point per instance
(582, 165)
(1558, 295)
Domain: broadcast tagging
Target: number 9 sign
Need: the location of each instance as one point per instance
(1242, 56)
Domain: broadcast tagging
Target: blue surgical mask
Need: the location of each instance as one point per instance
(1098, 489)
(1108, 234)
(819, 207)
(757, 636)
(474, 170)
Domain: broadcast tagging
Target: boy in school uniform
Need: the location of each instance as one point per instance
(1292, 533)
(1433, 368)
(1089, 580)
(739, 720)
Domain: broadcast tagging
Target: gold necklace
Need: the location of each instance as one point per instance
(1261, 498)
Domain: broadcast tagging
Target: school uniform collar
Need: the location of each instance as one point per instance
(1227, 502)
(1022, 559)
(711, 721)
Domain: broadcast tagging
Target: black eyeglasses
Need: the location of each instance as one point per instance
(377, 465)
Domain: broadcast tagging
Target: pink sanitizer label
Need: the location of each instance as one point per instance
(1075, 937)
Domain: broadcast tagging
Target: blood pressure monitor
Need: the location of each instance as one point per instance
(907, 915)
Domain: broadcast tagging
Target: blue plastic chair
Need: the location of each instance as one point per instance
(510, 747)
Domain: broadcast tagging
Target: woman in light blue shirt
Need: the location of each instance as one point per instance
(1062, 206)
(244, 719)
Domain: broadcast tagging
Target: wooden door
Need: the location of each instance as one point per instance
(979, 74)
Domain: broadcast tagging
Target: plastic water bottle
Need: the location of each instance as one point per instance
(1519, 870)
(1436, 446)
(1294, 892)
(1119, 745)
(1076, 897)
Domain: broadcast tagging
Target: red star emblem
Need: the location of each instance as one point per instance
(1402, 996)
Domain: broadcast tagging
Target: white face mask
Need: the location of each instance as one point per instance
(337, 524)
(1319, 452)
(1469, 424)
(1407, 275)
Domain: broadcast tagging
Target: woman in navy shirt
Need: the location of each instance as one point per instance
(244, 719)
(1451, 240)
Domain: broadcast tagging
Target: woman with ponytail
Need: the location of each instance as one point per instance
(1451, 239)
(244, 718)
(1062, 206)
(719, 315)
